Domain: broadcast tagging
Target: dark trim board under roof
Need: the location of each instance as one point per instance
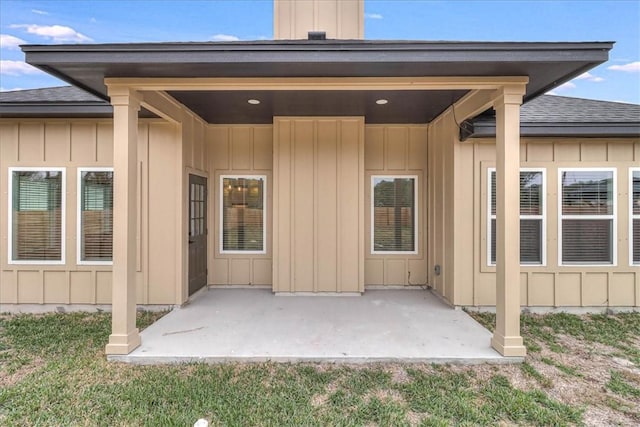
(550, 115)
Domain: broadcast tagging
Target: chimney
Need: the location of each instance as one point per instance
(299, 19)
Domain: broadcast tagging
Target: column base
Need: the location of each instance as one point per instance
(123, 344)
(509, 346)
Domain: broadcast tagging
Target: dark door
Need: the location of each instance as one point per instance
(197, 233)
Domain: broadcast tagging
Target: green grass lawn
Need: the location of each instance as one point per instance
(580, 370)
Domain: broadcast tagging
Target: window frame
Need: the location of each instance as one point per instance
(543, 216)
(79, 259)
(613, 217)
(416, 213)
(63, 216)
(632, 216)
(221, 179)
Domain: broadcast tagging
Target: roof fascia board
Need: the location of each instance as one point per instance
(369, 52)
(317, 83)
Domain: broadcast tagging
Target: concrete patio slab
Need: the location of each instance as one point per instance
(253, 325)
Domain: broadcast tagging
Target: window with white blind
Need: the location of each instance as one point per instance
(243, 216)
(95, 214)
(532, 217)
(394, 202)
(586, 227)
(36, 205)
(634, 216)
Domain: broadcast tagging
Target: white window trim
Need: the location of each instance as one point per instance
(79, 260)
(631, 216)
(416, 213)
(264, 215)
(543, 209)
(613, 217)
(63, 216)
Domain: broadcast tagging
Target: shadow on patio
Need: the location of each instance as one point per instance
(254, 325)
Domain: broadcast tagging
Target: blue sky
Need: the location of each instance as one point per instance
(123, 21)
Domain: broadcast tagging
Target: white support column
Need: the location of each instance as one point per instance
(124, 334)
(506, 338)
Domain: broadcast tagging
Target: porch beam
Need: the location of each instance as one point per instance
(506, 338)
(474, 103)
(317, 83)
(124, 334)
(163, 105)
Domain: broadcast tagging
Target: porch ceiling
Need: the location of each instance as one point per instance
(402, 107)
(547, 65)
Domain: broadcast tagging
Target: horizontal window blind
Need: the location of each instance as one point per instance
(531, 217)
(587, 241)
(587, 192)
(243, 213)
(587, 216)
(96, 215)
(635, 215)
(530, 241)
(394, 214)
(37, 215)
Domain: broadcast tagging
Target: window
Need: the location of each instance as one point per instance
(393, 214)
(634, 215)
(36, 203)
(95, 215)
(586, 232)
(243, 214)
(532, 217)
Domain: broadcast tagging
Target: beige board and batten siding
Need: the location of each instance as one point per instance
(238, 150)
(396, 150)
(550, 285)
(318, 204)
(443, 204)
(73, 144)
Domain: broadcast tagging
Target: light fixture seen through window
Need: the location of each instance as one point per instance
(253, 101)
(381, 101)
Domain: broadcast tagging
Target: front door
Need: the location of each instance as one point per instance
(197, 233)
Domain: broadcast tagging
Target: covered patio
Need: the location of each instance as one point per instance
(194, 86)
(253, 325)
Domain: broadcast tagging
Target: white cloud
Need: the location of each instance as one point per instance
(565, 86)
(373, 16)
(632, 67)
(93, 20)
(10, 42)
(5, 89)
(39, 12)
(16, 68)
(590, 78)
(57, 33)
(224, 38)
(552, 92)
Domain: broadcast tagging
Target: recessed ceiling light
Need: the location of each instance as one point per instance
(381, 101)
(253, 101)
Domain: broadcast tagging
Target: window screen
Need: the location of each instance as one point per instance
(394, 214)
(531, 217)
(587, 214)
(243, 213)
(635, 215)
(37, 206)
(96, 215)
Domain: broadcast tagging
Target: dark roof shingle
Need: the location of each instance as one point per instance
(62, 94)
(562, 109)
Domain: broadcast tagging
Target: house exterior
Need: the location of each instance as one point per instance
(313, 165)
